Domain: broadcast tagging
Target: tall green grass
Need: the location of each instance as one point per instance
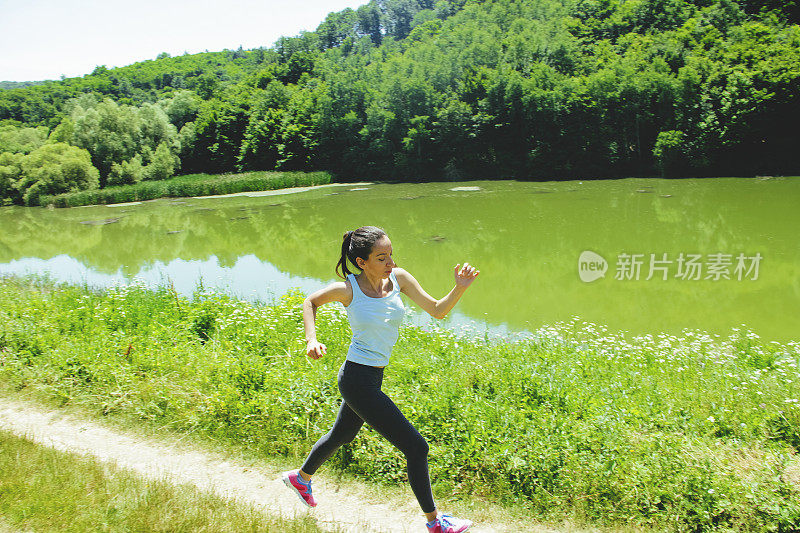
(189, 185)
(45, 490)
(682, 433)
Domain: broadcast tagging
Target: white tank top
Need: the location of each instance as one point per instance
(375, 323)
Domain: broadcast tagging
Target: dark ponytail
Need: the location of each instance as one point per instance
(357, 243)
(346, 239)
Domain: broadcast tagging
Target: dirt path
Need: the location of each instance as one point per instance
(351, 510)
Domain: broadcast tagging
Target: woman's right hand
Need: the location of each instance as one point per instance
(315, 349)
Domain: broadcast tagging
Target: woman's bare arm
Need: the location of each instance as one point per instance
(464, 276)
(335, 292)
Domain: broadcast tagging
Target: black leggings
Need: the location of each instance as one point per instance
(364, 401)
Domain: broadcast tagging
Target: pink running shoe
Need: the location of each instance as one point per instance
(445, 523)
(302, 488)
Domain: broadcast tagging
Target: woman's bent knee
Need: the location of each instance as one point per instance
(418, 449)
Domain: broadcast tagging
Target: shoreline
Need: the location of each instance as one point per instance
(188, 186)
(249, 194)
(277, 192)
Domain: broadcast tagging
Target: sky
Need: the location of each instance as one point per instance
(45, 39)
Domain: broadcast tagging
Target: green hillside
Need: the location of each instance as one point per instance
(419, 89)
(18, 84)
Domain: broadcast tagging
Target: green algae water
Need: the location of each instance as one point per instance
(638, 255)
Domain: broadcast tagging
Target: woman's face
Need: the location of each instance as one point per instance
(379, 263)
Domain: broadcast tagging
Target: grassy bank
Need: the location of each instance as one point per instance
(189, 185)
(45, 490)
(690, 433)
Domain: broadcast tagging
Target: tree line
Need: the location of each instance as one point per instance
(449, 89)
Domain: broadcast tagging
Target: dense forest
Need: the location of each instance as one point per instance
(423, 89)
(18, 84)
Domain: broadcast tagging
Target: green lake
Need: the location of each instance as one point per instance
(728, 248)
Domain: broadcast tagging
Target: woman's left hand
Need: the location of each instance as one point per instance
(465, 275)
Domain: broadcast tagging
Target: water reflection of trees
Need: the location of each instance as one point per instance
(525, 243)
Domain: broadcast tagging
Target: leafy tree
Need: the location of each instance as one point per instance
(336, 28)
(187, 138)
(114, 134)
(127, 172)
(425, 30)
(790, 9)
(670, 152)
(21, 140)
(218, 134)
(398, 16)
(10, 172)
(369, 22)
(447, 8)
(53, 169)
(108, 131)
(259, 149)
(163, 163)
(207, 85)
(63, 132)
(182, 107)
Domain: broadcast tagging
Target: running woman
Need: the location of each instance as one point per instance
(375, 312)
